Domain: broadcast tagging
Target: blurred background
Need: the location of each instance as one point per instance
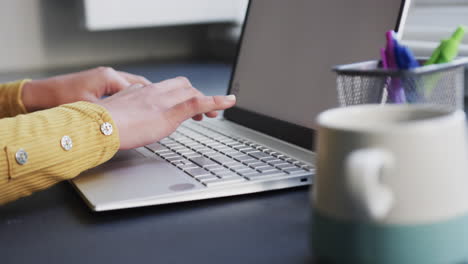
(48, 34)
(55, 35)
(429, 21)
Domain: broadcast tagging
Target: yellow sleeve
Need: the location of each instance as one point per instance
(10, 99)
(40, 134)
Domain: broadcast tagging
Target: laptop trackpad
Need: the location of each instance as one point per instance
(130, 175)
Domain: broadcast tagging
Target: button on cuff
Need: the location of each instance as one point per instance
(107, 129)
(21, 157)
(66, 143)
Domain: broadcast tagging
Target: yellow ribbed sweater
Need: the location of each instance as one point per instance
(40, 134)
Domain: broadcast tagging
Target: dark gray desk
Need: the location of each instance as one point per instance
(55, 226)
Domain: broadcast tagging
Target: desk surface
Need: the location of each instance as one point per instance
(55, 226)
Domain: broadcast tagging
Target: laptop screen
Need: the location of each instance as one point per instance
(283, 78)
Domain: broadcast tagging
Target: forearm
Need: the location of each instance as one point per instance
(39, 134)
(11, 103)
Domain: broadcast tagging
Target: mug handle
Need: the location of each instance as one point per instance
(363, 171)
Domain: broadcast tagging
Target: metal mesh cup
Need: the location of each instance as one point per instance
(367, 83)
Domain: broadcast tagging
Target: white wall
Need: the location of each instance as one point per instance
(112, 14)
(42, 34)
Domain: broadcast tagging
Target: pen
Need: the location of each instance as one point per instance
(395, 92)
(404, 57)
(445, 52)
(448, 48)
(406, 60)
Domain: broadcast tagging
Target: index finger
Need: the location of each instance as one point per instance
(132, 78)
(199, 105)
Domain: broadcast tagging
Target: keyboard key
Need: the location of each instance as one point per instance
(243, 158)
(174, 159)
(259, 155)
(194, 144)
(248, 150)
(204, 149)
(188, 166)
(252, 161)
(234, 153)
(285, 166)
(206, 178)
(192, 155)
(277, 154)
(221, 159)
(241, 168)
(267, 169)
(197, 172)
(166, 141)
(196, 147)
(245, 171)
(173, 145)
(275, 162)
(183, 150)
(288, 159)
(299, 163)
(202, 161)
(224, 149)
(267, 159)
(184, 153)
(226, 174)
(156, 147)
(240, 147)
(216, 145)
(216, 167)
(178, 163)
(178, 147)
(231, 143)
(223, 181)
(249, 173)
(265, 175)
(208, 141)
(257, 164)
(168, 155)
(295, 170)
(235, 164)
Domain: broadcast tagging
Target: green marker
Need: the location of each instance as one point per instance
(448, 48)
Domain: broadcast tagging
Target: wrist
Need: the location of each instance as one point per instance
(36, 96)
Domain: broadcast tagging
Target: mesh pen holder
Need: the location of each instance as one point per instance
(368, 83)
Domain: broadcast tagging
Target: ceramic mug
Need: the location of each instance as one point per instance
(391, 186)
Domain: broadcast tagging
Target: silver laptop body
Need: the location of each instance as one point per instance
(282, 80)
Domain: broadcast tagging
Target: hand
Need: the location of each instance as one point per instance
(88, 85)
(147, 114)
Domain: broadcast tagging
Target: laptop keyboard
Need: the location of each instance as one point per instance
(214, 159)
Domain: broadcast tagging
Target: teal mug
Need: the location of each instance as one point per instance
(391, 186)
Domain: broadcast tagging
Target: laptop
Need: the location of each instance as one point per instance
(282, 79)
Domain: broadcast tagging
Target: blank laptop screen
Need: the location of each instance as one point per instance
(288, 48)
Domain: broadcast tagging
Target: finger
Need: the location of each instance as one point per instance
(209, 114)
(198, 117)
(174, 84)
(174, 91)
(136, 86)
(212, 114)
(132, 78)
(117, 84)
(199, 105)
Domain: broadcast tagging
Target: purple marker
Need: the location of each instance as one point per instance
(395, 92)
